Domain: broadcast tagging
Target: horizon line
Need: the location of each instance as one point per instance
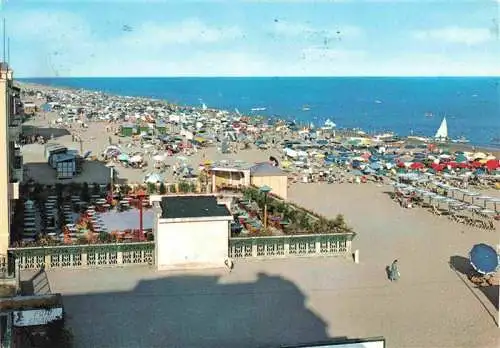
(263, 76)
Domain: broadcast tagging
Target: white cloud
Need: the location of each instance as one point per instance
(186, 32)
(456, 35)
(325, 54)
(304, 30)
(61, 43)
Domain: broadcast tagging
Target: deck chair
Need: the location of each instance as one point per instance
(436, 211)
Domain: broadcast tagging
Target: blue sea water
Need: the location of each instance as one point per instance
(470, 104)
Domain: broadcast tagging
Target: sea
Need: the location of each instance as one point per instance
(405, 106)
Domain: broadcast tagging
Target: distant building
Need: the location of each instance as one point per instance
(266, 174)
(30, 108)
(259, 174)
(191, 232)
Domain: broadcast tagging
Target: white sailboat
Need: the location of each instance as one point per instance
(442, 132)
(329, 124)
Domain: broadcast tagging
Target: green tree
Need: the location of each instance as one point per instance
(163, 189)
(151, 188)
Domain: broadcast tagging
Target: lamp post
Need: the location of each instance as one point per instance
(111, 177)
(140, 196)
(265, 190)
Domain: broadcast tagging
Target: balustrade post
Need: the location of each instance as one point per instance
(286, 247)
(119, 257)
(348, 245)
(318, 246)
(254, 248)
(84, 258)
(46, 261)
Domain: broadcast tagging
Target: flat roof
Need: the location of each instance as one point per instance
(266, 169)
(177, 207)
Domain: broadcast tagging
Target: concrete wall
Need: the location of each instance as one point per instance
(279, 184)
(191, 244)
(4, 163)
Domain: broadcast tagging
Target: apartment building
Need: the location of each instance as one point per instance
(11, 113)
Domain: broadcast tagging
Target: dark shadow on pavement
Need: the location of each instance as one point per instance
(46, 132)
(38, 284)
(195, 311)
(463, 266)
(91, 172)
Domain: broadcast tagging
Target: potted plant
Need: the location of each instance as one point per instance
(85, 193)
(96, 189)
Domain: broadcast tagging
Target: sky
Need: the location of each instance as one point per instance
(114, 38)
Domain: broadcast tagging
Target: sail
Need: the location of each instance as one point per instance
(442, 131)
(330, 124)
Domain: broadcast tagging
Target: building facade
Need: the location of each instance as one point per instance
(191, 232)
(11, 113)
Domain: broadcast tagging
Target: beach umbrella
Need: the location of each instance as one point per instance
(417, 165)
(123, 157)
(492, 164)
(274, 161)
(479, 155)
(153, 178)
(460, 158)
(135, 159)
(483, 258)
(158, 158)
(376, 165)
(356, 172)
(28, 204)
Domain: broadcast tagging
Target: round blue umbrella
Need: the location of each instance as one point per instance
(483, 258)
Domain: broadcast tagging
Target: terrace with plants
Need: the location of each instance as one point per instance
(260, 213)
(51, 215)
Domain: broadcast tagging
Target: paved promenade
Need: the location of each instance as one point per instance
(265, 304)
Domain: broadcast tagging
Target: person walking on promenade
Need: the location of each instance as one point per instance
(229, 265)
(394, 271)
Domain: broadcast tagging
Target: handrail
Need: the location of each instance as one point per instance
(80, 246)
(295, 236)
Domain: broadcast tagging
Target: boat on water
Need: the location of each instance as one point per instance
(429, 114)
(258, 109)
(306, 108)
(442, 132)
(383, 137)
(461, 140)
(329, 124)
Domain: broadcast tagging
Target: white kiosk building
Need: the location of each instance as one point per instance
(191, 232)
